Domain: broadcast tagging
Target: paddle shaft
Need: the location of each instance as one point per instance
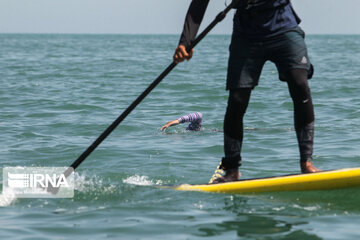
(133, 105)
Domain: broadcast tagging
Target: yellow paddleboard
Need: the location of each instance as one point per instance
(335, 179)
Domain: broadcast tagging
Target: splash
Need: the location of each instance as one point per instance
(141, 181)
(93, 184)
(7, 197)
(307, 208)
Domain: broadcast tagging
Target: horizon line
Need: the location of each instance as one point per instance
(178, 34)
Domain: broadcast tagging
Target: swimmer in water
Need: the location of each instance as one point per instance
(195, 120)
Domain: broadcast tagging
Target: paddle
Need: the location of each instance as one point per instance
(133, 105)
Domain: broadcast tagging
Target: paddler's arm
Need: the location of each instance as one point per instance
(193, 20)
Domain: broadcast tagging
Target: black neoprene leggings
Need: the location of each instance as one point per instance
(303, 117)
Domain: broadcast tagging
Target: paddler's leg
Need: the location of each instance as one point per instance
(290, 55)
(246, 61)
(297, 80)
(233, 133)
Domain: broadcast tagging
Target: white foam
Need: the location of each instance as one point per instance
(94, 184)
(7, 197)
(307, 208)
(278, 208)
(141, 181)
(59, 211)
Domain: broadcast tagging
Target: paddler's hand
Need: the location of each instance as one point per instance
(181, 54)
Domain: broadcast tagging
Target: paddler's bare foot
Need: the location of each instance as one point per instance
(230, 176)
(308, 167)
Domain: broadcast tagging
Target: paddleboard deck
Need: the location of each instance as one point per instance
(326, 180)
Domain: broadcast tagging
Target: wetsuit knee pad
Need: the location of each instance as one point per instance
(298, 86)
(236, 108)
(238, 100)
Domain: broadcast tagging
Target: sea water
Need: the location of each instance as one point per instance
(60, 92)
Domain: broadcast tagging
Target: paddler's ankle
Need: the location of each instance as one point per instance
(232, 175)
(307, 166)
(231, 167)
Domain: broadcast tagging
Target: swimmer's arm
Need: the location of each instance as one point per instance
(169, 124)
